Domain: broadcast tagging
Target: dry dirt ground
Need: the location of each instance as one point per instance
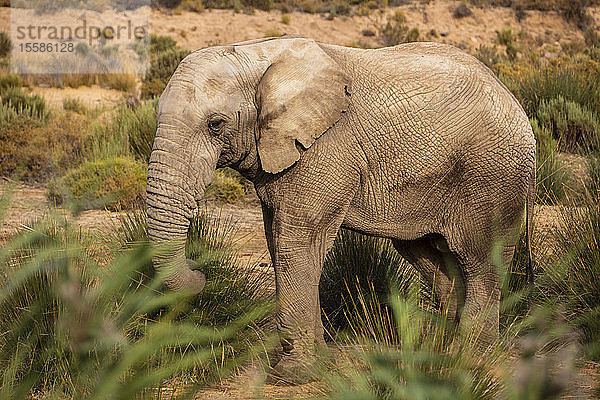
(197, 30)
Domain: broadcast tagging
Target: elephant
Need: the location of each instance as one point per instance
(419, 143)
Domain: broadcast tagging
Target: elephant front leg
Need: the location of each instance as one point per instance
(298, 255)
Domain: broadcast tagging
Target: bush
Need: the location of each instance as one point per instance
(162, 66)
(488, 55)
(122, 82)
(33, 106)
(130, 132)
(116, 183)
(358, 264)
(395, 31)
(532, 86)
(10, 81)
(551, 172)
(226, 188)
(231, 290)
(576, 11)
(35, 152)
(191, 5)
(286, 19)
(462, 11)
(161, 44)
(576, 128)
(571, 281)
(75, 105)
(140, 126)
(412, 356)
(5, 44)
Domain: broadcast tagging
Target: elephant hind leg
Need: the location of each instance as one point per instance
(429, 255)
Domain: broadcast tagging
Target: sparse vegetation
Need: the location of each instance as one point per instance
(5, 44)
(396, 31)
(79, 326)
(552, 173)
(75, 105)
(32, 106)
(225, 187)
(576, 128)
(286, 19)
(462, 11)
(115, 184)
(10, 81)
(357, 265)
(165, 57)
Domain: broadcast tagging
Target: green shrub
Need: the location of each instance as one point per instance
(116, 183)
(592, 37)
(506, 36)
(162, 66)
(286, 19)
(359, 264)
(75, 105)
(5, 44)
(34, 151)
(396, 31)
(551, 172)
(10, 81)
(571, 281)
(548, 83)
(593, 52)
(140, 125)
(161, 44)
(33, 106)
(429, 361)
(231, 290)
(488, 55)
(576, 128)
(226, 188)
(130, 132)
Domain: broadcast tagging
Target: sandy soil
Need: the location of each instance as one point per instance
(193, 30)
(212, 27)
(29, 203)
(92, 97)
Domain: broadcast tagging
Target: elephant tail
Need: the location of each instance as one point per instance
(529, 206)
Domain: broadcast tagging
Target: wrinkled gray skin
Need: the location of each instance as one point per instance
(419, 143)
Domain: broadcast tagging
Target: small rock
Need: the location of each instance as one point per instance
(444, 34)
(462, 11)
(368, 32)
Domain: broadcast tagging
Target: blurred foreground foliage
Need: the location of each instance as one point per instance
(87, 318)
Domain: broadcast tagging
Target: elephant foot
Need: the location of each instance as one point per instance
(293, 370)
(187, 279)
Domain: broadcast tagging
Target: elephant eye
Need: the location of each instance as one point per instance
(216, 123)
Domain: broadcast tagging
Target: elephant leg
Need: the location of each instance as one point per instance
(299, 252)
(479, 319)
(481, 313)
(439, 269)
(268, 223)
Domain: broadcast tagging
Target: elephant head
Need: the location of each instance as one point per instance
(243, 106)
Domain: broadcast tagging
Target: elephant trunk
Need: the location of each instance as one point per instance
(170, 208)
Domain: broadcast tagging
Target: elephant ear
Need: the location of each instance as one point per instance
(302, 94)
